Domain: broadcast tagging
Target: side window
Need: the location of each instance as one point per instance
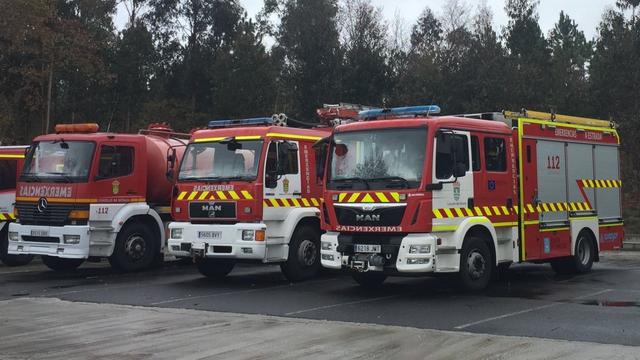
(271, 166)
(475, 153)
(449, 147)
(288, 160)
(7, 174)
(115, 161)
(495, 155)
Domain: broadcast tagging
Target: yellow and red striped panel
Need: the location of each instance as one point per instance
(600, 184)
(215, 195)
(7, 217)
(494, 210)
(292, 202)
(377, 197)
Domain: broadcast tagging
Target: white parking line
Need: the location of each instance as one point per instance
(464, 326)
(344, 304)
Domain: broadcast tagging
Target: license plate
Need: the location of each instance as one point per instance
(209, 234)
(364, 248)
(39, 233)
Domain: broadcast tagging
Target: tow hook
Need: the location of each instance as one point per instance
(361, 263)
(198, 253)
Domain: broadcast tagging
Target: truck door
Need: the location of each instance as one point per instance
(119, 176)
(282, 178)
(8, 177)
(452, 149)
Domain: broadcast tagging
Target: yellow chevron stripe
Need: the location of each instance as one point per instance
(487, 211)
(449, 213)
(295, 202)
(477, 210)
(274, 203)
(496, 210)
(182, 195)
(367, 199)
(585, 183)
(579, 205)
(468, 211)
(341, 196)
(458, 212)
(315, 201)
(591, 183)
(516, 210)
(203, 195)
(382, 197)
(305, 202)
(285, 202)
(505, 211)
(395, 196)
(531, 209)
(586, 206)
(265, 203)
(192, 195)
(2, 217)
(437, 214)
(353, 197)
(545, 207)
(246, 194)
(221, 195)
(234, 195)
(553, 207)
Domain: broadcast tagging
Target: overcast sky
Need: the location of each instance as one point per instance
(587, 13)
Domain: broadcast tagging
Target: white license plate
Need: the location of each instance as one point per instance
(39, 232)
(364, 248)
(209, 234)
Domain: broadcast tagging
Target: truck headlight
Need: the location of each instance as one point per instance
(325, 245)
(248, 235)
(13, 236)
(419, 249)
(176, 233)
(417, 261)
(71, 239)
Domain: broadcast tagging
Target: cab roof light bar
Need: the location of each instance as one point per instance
(423, 110)
(275, 119)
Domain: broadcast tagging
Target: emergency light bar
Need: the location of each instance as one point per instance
(76, 128)
(400, 111)
(251, 121)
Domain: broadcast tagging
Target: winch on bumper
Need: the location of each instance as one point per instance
(410, 253)
(231, 241)
(69, 241)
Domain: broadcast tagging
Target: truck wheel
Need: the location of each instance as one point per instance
(60, 264)
(11, 260)
(582, 259)
(135, 248)
(370, 279)
(304, 255)
(215, 268)
(476, 264)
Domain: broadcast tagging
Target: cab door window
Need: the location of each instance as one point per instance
(452, 150)
(115, 161)
(7, 174)
(495, 155)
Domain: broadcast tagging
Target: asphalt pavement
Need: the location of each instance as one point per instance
(530, 301)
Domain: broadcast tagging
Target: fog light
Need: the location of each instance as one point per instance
(13, 236)
(248, 235)
(60, 250)
(71, 239)
(247, 250)
(417, 261)
(327, 257)
(20, 247)
(419, 249)
(176, 233)
(325, 245)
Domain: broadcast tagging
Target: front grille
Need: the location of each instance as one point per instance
(389, 244)
(54, 214)
(378, 217)
(41, 239)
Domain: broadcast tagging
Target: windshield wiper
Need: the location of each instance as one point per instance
(31, 178)
(404, 181)
(238, 177)
(353, 179)
(63, 176)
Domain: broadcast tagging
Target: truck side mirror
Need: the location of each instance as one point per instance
(171, 162)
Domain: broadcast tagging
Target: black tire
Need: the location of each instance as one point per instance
(215, 268)
(369, 279)
(582, 259)
(476, 265)
(60, 264)
(304, 255)
(11, 260)
(136, 248)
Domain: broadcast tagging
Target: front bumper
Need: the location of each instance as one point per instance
(393, 258)
(227, 243)
(50, 240)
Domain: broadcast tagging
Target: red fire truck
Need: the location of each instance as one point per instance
(11, 161)
(409, 193)
(84, 195)
(250, 191)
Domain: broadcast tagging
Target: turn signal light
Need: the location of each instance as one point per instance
(259, 235)
(77, 128)
(79, 214)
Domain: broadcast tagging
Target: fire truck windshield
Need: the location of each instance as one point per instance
(378, 159)
(219, 161)
(58, 161)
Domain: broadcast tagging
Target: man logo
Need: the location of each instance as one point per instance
(42, 205)
(367, 217)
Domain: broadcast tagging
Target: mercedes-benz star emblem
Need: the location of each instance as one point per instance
(42, 205)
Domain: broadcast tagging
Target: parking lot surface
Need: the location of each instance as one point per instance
(530, 301)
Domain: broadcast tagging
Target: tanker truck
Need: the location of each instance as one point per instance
(85, 194)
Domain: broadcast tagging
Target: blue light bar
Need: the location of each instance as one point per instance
(400, 111)
(236, 122)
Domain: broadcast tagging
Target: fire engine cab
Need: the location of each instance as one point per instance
(11, 161)
(85, 194)
(410, 193)
(250, 191)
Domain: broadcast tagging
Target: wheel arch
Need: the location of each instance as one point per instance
(144, 215)
(482, 230)
(594, 242)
